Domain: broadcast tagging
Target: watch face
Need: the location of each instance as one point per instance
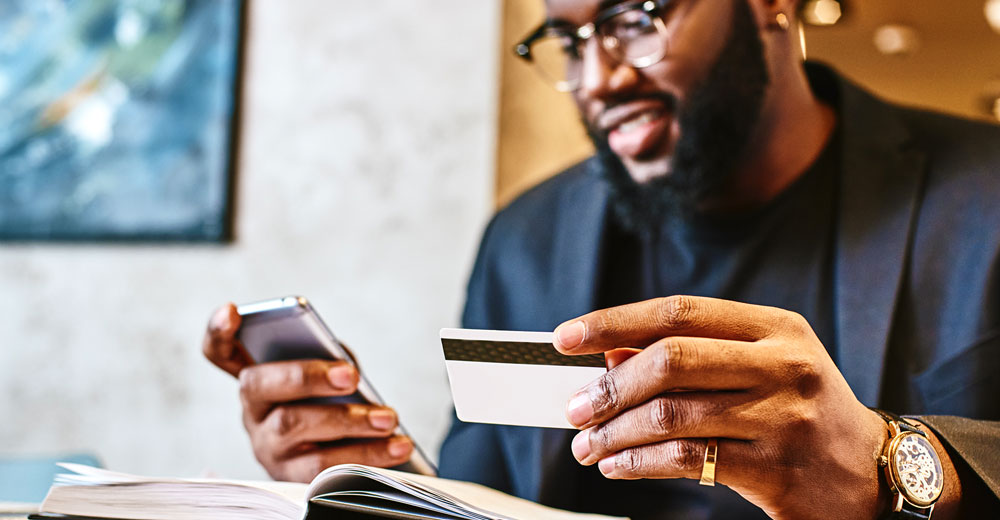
(916, 469)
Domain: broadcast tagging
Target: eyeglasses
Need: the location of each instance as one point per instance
(629, 32)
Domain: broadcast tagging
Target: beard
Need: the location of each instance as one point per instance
(716, 122)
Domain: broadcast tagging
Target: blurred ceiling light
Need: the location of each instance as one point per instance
(822, 12)
(896, 40)
(992, 10)
(996, 109)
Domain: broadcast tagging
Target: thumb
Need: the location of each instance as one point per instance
(221, 346)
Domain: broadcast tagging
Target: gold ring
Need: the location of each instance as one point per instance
(708, 467)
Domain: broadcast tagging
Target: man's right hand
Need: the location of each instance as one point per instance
(294, 441)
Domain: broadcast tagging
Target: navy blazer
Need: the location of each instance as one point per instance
(917, 297)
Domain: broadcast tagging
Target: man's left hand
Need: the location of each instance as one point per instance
(792, 437)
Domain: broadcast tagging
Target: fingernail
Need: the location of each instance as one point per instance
(579, 411)
(382, 419)
(400, 446)
(570, 336)
(581, 445)
(341, 377)
(607, 466)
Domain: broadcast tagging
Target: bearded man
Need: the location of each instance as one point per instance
(762, 250)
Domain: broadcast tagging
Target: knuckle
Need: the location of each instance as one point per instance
(601, 440)
(284, 420)
(687, 455)
(676, 311)
(804, 376)
(630, 461)
(795, 323)
(802, 421)
(670, 358)
(295, 375)
(605, 393)
(800, 321)
(249, 379)
(665, 414)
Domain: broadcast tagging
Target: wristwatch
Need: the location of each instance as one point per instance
(912, 469)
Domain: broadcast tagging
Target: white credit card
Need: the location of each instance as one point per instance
(512, 377)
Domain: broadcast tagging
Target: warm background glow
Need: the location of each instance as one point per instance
(943, 55)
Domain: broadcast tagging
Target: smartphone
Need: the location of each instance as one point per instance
(289, 328)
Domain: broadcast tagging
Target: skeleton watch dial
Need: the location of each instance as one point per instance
(916, 469)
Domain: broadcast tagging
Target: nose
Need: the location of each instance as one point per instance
(602, 76)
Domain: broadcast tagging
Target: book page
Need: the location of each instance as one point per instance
(89, 475)
(480, 501)
(98, 493)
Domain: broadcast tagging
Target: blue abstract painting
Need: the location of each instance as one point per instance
(117, 118)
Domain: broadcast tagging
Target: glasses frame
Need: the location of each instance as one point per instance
(580, 35)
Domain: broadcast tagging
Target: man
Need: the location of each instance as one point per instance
(835, 253)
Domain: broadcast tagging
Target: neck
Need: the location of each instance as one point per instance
(793, 131)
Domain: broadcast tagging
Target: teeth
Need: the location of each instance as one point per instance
(636, 122)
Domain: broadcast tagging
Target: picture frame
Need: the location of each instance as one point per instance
(119, 120)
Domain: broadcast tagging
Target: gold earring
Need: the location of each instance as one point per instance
(782, 21)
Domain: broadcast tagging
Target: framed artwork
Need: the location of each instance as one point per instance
(118, 119)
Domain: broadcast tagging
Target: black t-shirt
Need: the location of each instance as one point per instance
(779, 255)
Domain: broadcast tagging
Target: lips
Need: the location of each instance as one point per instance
(637, 128)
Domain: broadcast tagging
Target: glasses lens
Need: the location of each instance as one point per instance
(634, 36)
(557, 59)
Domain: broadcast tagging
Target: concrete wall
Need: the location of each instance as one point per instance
(365, 180)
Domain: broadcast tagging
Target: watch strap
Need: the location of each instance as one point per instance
(904, 425)
(908, 514)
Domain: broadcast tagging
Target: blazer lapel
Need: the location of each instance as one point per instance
(575, 268)
(576, 258)
(880, 186)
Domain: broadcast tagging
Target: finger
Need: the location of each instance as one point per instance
(383, 453)
(287, 427)
(220, 345)
(671, 416)
(669, 365)
(639, 324)
(736, 461)
(613, 358)
(262, 386)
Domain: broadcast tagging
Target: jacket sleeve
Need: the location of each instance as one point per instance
(472, 452)
(974, 447)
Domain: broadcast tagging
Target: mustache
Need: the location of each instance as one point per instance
(667, 99)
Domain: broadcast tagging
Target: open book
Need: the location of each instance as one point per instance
(347, 491)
